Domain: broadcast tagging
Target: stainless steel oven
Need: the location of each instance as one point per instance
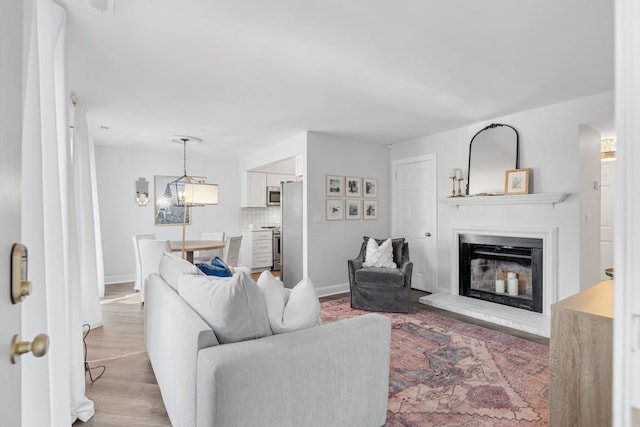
(277, 253)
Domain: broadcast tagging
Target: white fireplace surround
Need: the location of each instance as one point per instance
(536, 323)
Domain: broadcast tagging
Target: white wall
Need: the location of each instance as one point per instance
(549, 145)
(589, 219)
(332, 243)
(272, 153)
(117, 169)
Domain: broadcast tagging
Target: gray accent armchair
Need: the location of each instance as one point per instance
(379, 288)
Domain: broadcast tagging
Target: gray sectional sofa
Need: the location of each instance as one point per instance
(335, 374)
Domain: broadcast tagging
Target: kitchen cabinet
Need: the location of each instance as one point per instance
(580, 354)
(253, 190)
(275, 179)
(256, 251)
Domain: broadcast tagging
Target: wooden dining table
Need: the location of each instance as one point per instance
(190, 246)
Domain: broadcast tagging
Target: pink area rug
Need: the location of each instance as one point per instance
(449, 373)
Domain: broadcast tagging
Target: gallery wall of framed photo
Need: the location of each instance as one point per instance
(351, 198)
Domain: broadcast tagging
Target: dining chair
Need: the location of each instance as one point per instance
(136, 252)
(231, 250)
(150, 253)
(205, 257)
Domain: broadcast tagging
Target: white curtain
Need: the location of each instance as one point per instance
(54, 229)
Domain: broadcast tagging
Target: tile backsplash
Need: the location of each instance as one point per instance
(259, 216)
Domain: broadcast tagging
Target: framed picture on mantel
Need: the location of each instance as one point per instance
(516, 181)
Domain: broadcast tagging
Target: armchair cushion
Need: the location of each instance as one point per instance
(376, 276)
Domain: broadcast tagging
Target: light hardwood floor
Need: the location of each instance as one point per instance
(127, 393)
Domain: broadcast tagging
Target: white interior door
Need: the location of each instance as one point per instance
(607, 180)
(414, 216)
(10, 143)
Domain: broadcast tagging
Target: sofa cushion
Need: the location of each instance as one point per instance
(377, 276)
(397, 247)
(234, 307)
(171, 267)
(379, 255)
(290, 309)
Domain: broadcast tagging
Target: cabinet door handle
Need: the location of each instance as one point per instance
(427, 234)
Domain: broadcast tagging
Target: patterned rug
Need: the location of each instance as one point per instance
(445, 372)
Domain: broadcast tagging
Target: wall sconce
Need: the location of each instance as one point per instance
(142, 192)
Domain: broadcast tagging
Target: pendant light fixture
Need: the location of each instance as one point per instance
(190, 191)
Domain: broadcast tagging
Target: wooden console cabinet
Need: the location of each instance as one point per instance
(581, 358)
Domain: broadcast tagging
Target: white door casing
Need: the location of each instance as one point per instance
(626, 325)
(414, 212)
(607, 187)
(10, 162)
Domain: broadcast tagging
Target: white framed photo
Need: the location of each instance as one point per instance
(353, 209)
(370, 209)
(353, 186)
(335, 186)
(335, 209)
(370, 187)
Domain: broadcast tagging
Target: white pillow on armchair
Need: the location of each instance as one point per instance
(379, 256)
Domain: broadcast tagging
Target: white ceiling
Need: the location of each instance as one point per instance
(241, 74)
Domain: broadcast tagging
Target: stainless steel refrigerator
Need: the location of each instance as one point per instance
(291, 229)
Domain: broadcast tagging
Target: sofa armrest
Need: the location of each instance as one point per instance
(336, 374)
(353, 266)
(174, 334)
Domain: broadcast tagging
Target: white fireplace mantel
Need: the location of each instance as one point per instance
(507, 199)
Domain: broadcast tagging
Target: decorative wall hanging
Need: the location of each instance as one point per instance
(370, 209)
(335, 209)
(353, 186)
(335, 186)
(370, 187)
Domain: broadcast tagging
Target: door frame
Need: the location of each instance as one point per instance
(626, 325)
(394, 200)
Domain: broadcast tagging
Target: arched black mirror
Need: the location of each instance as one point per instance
(492, 151)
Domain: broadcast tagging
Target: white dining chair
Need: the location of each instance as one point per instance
(150, 253)
(136, 252)
(231, 250)
(206, 256)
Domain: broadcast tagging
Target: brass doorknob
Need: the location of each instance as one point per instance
(39, 346)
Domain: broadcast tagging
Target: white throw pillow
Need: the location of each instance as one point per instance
(233, 306)
(290, 309)
(171, 267)
(379, 256)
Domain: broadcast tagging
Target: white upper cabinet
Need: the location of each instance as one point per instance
(253, 190)
(274, 179)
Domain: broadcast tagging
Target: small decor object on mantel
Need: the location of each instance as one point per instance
(335, 186)
(516, 181)
(353, 186)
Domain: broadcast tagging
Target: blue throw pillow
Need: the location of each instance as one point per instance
(216, 268)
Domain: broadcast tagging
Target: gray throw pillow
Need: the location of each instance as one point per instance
(233, 306)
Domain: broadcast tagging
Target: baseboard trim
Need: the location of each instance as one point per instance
(338, 288)
(114, 279)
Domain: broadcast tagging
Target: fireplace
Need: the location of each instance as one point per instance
(503, 270)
